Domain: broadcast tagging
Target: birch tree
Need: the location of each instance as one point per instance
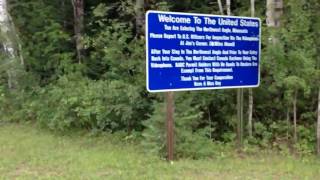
(11, 46)
(270, 12)
(220, 7)
(228, 4)
(274, 12)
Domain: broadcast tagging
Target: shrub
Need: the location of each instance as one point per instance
(190, 140)
(77, 102)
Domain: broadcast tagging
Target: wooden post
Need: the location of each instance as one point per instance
(240, 116)
(250, 112)
(170, 125)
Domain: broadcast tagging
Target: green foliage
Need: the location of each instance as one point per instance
(107, 91)
(76, 102)
(307, 139)
(114, 52)
(190, 140)
(47, 46)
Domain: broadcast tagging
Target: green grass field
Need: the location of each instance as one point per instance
(26, 152)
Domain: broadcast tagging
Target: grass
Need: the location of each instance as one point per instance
(26, 152)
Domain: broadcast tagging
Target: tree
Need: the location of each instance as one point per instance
(318, 125)
(228, 4)
(274, 12)
(11, 45)
(250, 106)
(299, 51)
(220, 7)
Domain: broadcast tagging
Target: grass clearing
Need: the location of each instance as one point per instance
(26, 152)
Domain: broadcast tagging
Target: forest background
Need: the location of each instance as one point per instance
(75, 64)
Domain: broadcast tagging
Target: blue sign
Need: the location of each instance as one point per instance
(187, 51)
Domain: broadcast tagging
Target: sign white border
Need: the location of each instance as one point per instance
(197, 14)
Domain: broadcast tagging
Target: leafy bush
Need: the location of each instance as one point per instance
(307, 139)
(77, 102)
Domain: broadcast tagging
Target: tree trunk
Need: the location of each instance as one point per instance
(3, 12)
(274, 12)
(78, 13)
(295, 138)
(250, 106)
(288, 122)
(318, 125)
(239, 98)
(210, 122)
(16, 39)
(228, 4)
(11, 45)
(140, 22)
(10, 84)
(252, 5)
(270, 13)
(20, 52)
(63, 11)
(220, 7)
(239, 95)
(8, 31)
